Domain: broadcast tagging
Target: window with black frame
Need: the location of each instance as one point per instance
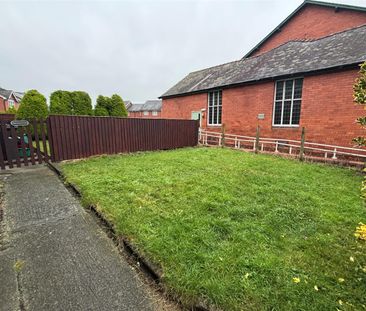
(287, 105)
(214, 108)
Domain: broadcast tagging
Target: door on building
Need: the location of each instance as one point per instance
(196, 115)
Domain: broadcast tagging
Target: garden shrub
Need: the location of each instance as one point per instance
(60, 102)
(101, 108)
(32, 106)
(11, 110)
(117, 106)
(71, 103)
(359, 96)
(113, 106)
(81, 104)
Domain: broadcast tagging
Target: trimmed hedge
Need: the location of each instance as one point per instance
(71, 103)
(32, 106)
(113, 106)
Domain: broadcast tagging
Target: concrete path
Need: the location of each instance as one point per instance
(54, 256)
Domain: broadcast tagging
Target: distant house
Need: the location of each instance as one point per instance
(149, 109)
(9, 99)
(300, 75)
(127, 103)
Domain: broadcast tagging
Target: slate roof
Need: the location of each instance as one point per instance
(149, 105)
(135, 107)
(152, 105)
(291, 58)
(127, 103)
(5, 93)
(18, 95)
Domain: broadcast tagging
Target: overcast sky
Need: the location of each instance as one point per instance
(137, 49)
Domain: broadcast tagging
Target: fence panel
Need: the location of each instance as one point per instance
(74, 137)
(7, 117)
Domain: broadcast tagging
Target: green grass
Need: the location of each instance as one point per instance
(233, 229)
(41, 149)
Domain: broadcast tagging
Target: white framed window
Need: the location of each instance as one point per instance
(154, 113)
(11, 103)
(214, 108)
(146, 113)
(287, 102)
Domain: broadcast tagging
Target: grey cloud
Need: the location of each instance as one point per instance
(135, 48)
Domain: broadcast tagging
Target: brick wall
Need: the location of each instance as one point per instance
(327, 111)
(182, 107)
(4, 104)
(313, 22)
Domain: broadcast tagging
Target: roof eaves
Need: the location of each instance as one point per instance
(11, 93)
(321, 3)
(225, 86)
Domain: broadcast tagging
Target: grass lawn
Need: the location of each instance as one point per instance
(41, 146)
(234, 229)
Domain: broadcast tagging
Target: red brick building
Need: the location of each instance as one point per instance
(300, 75)
(150, 109)
(9, 99)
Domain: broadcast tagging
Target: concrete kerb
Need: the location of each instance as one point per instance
(131, 253)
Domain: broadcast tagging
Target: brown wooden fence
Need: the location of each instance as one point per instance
(7, 116)
(74, 137)
(23, 146)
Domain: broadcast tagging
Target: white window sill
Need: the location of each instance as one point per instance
(285, 126)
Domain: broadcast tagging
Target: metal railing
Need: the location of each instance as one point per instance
(282, 145)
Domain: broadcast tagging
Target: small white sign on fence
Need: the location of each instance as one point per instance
(17, 123)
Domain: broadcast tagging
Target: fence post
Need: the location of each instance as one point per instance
(257, 140)
(334, 157)
(199, 135)
(50, 139)
(302, 144)
(223, 136)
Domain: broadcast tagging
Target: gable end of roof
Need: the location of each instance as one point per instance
(336, 6)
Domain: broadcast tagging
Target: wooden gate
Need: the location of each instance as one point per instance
(23, 145)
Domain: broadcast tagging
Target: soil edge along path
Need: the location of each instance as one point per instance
(54, 256)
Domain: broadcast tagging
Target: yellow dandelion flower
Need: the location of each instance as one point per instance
(316, 288)
(351, 259)
(296, 280)
(361, 232)
(341, 280)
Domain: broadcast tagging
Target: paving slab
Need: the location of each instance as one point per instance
(54, 256)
